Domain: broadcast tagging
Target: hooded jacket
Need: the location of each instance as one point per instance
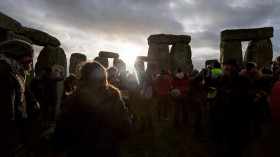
(12, 107)
(12, 100)
(181, 82)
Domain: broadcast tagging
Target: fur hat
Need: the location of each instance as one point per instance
(16, 49)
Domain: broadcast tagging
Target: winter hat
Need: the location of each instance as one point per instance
(250, 65)
(16, 49)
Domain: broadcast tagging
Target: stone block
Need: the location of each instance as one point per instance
(40, 38)
(8, 23)
(247, 34)
(168, 39)
(108, 54)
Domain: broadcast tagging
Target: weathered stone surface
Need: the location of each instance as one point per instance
(50, 56)
(260, 52)
(8, 23)
(231, 50)
(119, 64)
(76, 60)
(139, 64)
(181, 57)
(7, 35)
(142, 58)
(159, 56)
(108, 54)
(53, 57)
(247, 34)
(168, 39)
(102, 60)
(40, 38)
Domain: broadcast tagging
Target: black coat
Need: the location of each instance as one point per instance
(12, 113)
(92, 124)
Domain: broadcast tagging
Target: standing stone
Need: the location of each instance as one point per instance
(50, 56)
(260, 52)
(181, 57)
(159, 57)
(231, 50)
(53, 57)
(102, 60)
(139, 64)
(76, 61)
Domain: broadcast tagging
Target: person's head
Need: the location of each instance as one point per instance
(179, 69)
(72, 77)
(230, 67)
(112, 71)
(131, 77)
(93, 75)
(20, 51)
(217, 65)
(277, 60)
(163, 72)
(250, 66)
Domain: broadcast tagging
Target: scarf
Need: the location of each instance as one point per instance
(19, 75)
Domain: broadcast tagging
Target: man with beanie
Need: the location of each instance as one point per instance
(16, 58)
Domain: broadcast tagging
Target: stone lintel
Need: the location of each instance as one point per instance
(40, 38)
(168, 39)
(8, 23)
(108, 54)
(247, 34)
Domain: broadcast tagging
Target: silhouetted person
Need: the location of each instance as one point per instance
(49, 81)
(162, 85)
(258, 92)
(180, 81)
(113, 76)
(230, 109)
(94, 119)
(16, 58)
(69, 86)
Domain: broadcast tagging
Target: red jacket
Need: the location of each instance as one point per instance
(275, 102)
(181, 81)
(162, 84)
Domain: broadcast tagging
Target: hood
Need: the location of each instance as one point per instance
(252, 75)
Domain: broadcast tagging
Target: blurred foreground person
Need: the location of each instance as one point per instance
(16, 58)
(94, 119)
(275, 102)
(230, 109)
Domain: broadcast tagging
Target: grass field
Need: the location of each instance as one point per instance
(165, 141)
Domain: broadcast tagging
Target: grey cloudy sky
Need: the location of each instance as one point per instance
(123, 26)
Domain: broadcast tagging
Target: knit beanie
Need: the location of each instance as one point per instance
(16, 49)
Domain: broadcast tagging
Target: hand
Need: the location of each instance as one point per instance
(36, 106)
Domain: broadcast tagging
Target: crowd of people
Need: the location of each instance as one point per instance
(104, 106)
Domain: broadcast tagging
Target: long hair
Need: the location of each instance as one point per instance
(93, 76)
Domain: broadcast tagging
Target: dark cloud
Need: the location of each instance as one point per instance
(134, 20)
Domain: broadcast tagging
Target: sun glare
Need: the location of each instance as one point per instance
(129, 59)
